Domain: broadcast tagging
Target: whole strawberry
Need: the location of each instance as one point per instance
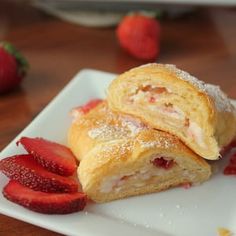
(13, 67)
(139, 35)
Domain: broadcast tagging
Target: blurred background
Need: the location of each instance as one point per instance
(59, 38)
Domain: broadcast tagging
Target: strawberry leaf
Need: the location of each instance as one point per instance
(23, 64)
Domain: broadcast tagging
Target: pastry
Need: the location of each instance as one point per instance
(121, 157)
(172, 100)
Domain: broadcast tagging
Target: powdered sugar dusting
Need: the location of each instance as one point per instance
(134, 130)
(160, 142)
(221, 101)
(108, 150)
(133, 125)
(149, 144)
(107, 132)
(186, 76)
(115, 126)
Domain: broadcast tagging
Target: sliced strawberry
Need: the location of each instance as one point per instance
(28, 172)
(89, 106)
(54, 157)
(82, 110)
(48, 203)
(230, 169)
(227, 149)
(233, 159)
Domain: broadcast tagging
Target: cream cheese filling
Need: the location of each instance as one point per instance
(195, 132)
(171, 111)
(117, 181)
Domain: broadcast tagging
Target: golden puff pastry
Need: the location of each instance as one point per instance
(121, 157)
(98, 126)
(172, 100)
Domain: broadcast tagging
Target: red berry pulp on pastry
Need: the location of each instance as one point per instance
(163, 163)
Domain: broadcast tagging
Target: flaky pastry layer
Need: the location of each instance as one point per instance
(169, 99)
(121, 157)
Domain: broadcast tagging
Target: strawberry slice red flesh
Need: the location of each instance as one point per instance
(28, 172)
(54, 157)
(89, 105)
(227, 149)
(230, 169)
(48, 203)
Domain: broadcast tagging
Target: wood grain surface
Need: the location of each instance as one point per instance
(202, 43)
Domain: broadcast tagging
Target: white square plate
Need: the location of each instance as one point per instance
(198, 211)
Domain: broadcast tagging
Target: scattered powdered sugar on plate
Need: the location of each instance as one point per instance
(178, 206)
(161, 215)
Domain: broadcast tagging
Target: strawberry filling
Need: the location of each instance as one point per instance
(163, 163)
(150, 93)
(152, 99)
(154, 92)
(171, 110)
(125, 177)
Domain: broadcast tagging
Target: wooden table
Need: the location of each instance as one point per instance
(202, 43)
